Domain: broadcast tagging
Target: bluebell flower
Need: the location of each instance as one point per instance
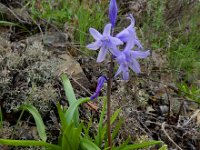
(113, 12)
(128, 59)
(126, 34)
(105, 42)
(100, 83)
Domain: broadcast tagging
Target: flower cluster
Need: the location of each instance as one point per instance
(109, 43)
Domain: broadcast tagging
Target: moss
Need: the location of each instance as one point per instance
(28, 77)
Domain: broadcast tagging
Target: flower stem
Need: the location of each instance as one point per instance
(109, 86)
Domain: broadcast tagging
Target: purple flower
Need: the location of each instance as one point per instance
(105, 42)
(100, 84)
(128, 59)
(126, 34)
(113, 12)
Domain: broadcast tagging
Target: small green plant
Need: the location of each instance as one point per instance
(153, 24)
(184, 51)
(78, 15)
(74, 134)
(87, 19)
(192, 93)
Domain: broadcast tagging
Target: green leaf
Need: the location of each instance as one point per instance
(88, 145)
(71, 137)
(38, 120)
(141, 145)
(7, 23)
(69, 92)
(28, 143)
(98, 138)
(87, 129)
(112, 119)
(124, 144)
(72, 109)
(164, 147)
(61, 116)
(115, 115)
(117, 128)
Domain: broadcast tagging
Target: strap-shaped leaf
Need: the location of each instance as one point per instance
(62, 117)
(112, 120)
(117, 128)
(7, 23)
(141, 145)
(123, 145)
(118, 125)
(28, 143)
(38, 120)
(69, 92)
(71, 137)
(88, 145)
(98, 137)
(164, 147)
(72, 109)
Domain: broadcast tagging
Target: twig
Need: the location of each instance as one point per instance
(144, 126)
(165, 132)
(16, 16)
(179, 112)
(88, 103)
(169, 103)
(192, 117)
(81, 86)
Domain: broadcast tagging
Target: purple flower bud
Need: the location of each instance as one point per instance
(113, 12)
(100, 84)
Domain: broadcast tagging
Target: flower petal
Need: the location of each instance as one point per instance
(96, 35)
(94, 45)
(140, 54)
(132, 21)
(107, 29)
(121, 58)
(131, 40)
(102, 54)
(115, 51)
(115, 41)
(135, 66)
(123, 35)
(118, 71)
(125, 74)
(139, 45)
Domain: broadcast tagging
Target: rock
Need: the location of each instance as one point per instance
(72, 68)
(164, 109)
(56, 39)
